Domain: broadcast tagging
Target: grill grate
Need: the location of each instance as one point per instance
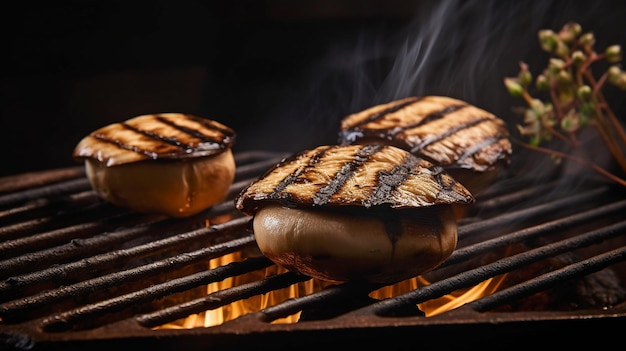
(77, 272)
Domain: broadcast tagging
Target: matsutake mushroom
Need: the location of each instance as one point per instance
(470, 143)
(170, 163)
(355, 212)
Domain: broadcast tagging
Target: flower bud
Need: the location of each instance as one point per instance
(539, 107)
(542, 82)
(561, 50)
(531, 127)
(565, 77)
(513, 86)
(584, 92)
(525, 77)
(618, 80)
(613, 53)
(570, 31)
(614, 72)
(548, 40)
(571, 121)
(587, 110)
(578, 57)
(556, 65)
(588, 40)
(531, 118)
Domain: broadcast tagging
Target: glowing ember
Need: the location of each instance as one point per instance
(253, 304)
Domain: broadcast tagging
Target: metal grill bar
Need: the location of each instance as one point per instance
(548, 280)
(221, 298)
(472, 230)
(495, 199)
(77, 247)
(122, 276)
(43, 207)
(328, 296)
(465, 253)
(48, 191)
(96, 263)
(36, 179)
(35, 242)
(253, 164)
(472, 277)
(65, 321)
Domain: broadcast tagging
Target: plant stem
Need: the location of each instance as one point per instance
(583, 161)
(615, 123)
(602, 107)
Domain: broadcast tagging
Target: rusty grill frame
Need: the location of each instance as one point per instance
(56, 233)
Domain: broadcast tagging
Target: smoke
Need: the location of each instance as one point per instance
(457, 48)
(461, 49)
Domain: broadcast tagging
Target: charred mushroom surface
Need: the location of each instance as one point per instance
(470, 143)
(355, 212)
(171, 163)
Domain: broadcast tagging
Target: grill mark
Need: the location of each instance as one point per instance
(347, 170)
(448, 185)
(209, 125)
(389, 181)
(449, 132)
(438, 172)
(433, 116)
(477, 147)
(104, 138)
(158, 137)
(293, 177)
(190, 131)
(155, 136)
(387, 111)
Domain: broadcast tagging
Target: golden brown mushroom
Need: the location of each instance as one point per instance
(170, 163)
(355, 212)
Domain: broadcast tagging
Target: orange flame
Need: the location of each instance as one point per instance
(256, 303)
(444, 303)
(253, 304)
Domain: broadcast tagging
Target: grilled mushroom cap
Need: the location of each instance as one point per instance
(467, 141)
(165, 136)
(171, 163)
(372, 212)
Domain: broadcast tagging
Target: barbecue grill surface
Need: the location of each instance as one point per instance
(80, 273)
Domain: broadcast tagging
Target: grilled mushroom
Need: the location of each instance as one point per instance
(470, 143)
(170, 163)
(355, 212)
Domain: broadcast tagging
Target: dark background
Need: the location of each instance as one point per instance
(281, 73)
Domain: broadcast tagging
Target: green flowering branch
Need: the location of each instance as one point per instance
(573, 97)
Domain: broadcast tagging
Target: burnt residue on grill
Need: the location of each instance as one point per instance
(77, 272)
